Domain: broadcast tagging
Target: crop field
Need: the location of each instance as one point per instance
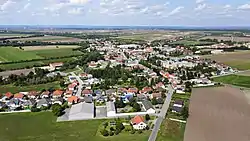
(239, 60)
(12, 35)
(43, 127)
(190, 43)
(49, 47)
(237, 39)
(218, 114)
(237, 80)
(8, 54)
(50, 39)
(55, 52)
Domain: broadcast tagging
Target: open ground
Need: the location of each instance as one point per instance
(52, 39)
(239, 60)
(43, 127)
(237, 39)
(218, 114)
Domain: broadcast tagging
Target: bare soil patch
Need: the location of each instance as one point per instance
(218, 114)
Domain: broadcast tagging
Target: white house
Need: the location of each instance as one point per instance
(138, 123)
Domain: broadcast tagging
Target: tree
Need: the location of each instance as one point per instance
(147, 117)
(139, 131)
(185, 112)
(132, 131)
(112, 129)
(62, 84)
(136, 107)
(119, 126)
(105, 124)
(35, 109)
(117, 131)
(104, 132)
(57, 110)
(154, 101)
(111, 133)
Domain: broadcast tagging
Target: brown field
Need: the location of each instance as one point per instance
(30, 48)
(50, 39)
(218, 114)
(239, 60)
(237, 39)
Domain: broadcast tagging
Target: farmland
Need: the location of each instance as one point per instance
(239, 60)
(52, 39)
(171, 131)
(190, 43)
(218, 114)
(237, 80)
(31, 48)
(8, 54)
(237, 39)
(43, 127)
(55, 52)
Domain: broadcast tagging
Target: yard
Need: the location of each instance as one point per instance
(43, 127)
(15, 89)
(171, 131)
(237, 80)
(8, 54)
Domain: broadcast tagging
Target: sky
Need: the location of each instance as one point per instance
(126, 12)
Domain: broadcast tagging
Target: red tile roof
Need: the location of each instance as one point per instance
(33, 93)
(157, 95)
(9, 95)
(58, 64)
(46, 93)
(86, 91)
(73, 98)
(19, 95)
(58, 93)
(137, 120)
(69, 92)
(132, 90)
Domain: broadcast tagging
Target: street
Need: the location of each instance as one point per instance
(162, 115)
(80, 86)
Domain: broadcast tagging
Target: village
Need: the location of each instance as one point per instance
(143, 79)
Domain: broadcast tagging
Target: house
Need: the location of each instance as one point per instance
(159, 85)
(29, 103)
(155, 95)
(45, 94)
(132, 90)
(110, 92)
(87, 92)
(44, 102)
(178, 105)
(111, 111)
(73, 100)
(55, 66)
(14, 103)
(141, 97)
(146, 90)
(138, 123)
(147, 106)
(58, 100)
(72, 86)
(58, 93)
(68, 93)
(88, 99)
(3, 105)
(97, 92)
(9, 95)
(19, 96)
(33, 94)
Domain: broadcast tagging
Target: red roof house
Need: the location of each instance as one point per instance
(9, 95)
(58, 93)
(19, 95)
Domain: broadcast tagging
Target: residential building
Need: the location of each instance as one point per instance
(111, 111)
(147, 106)
(138, 123)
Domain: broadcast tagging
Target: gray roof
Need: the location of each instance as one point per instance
(81, 111)
(147, 104)
(44, 101)
(110, 91)
(110, 106)
(88, 99)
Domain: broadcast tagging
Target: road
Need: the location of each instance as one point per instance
(80, 86)
(230, 73)
(162, 114)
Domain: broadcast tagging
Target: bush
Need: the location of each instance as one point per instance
(117, 131)
(112, 129)
(132, 131)
(147, 128)
(35, 109)
(139, 131)
(105, 124)
(147, 117)
(111, 133)
(57, 110)
(104, 132)
(44, 108)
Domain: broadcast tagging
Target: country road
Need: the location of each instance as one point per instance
(162, 114)
(79, 91)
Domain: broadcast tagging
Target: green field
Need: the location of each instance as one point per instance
(190, 43)
(171, 131)
(8, 54)
(55, 52)
(42, 127)
(15, 89)
(239, 64)
(237, 80)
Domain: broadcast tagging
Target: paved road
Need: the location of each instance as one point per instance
(162, 115)
(230, 73)
(79, 91)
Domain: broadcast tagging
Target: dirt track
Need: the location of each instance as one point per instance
(218, 114)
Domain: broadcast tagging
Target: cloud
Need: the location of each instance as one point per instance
(6, 5)
(79, 1)
(199, 1)
(76, 11)
(244, 7)
(227, 6)
(175, 11)
(200, 7)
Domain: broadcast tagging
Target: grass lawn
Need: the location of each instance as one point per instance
(15, 89)
(171, 131)
(43, 127)
(8, 54)
(55, 52)
(242, 81)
